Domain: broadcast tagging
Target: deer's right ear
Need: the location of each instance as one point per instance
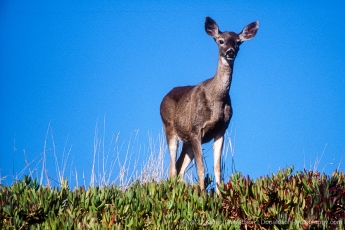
(211, 27)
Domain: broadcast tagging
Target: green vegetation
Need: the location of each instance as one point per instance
(304, 200)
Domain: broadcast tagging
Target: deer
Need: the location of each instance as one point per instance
(197, 114)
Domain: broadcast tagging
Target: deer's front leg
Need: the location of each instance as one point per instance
(217, 152)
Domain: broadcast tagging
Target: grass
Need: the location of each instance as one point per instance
(114, 162)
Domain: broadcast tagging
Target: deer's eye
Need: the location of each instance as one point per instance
(221, 42)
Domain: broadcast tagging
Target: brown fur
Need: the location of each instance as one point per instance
(198, 114)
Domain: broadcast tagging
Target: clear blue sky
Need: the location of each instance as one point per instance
(70, 64)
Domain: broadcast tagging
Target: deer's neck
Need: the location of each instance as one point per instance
(223, 77)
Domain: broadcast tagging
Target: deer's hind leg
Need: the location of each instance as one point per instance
(185, 158)
(173, 146)
(197, 150)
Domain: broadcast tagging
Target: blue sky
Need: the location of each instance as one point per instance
(67, 66)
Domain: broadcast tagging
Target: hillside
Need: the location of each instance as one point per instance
(303, 200)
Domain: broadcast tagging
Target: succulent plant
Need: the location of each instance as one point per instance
(303, 200)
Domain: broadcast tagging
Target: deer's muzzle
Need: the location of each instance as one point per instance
(230, 54)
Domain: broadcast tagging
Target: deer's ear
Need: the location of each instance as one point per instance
(211, 27)
(249, 31)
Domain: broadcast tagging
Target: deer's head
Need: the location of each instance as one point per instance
(229, 42)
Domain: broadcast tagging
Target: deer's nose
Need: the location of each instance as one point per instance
(230, 53)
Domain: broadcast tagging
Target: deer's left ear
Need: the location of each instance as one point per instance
(211, 27)
(249, 31)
